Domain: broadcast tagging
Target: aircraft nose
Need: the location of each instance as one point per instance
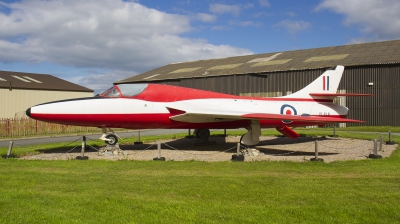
(28, 112)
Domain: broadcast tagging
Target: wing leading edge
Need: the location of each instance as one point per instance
(313, 119)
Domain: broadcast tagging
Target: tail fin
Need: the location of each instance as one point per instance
(325, 84)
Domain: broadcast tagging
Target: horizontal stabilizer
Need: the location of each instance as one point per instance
(315, 119)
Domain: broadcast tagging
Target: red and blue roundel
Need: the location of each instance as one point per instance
(287, 109)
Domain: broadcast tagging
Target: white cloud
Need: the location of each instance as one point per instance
(221, 28)
(205, 17)
(294, 26)
(261, 14)
(104, 34)
(291, 14)
(101, 82)
(246, 23)
(264, 3)
(221, 8)
(232, 9)
(247, 6)
(380, 19)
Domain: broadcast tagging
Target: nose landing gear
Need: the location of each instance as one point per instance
(109, 139)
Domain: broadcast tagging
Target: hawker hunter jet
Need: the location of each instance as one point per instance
(158, 106)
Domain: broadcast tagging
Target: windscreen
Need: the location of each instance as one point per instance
(124, 90)
(111, 92)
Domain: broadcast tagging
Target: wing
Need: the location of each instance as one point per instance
(314, 119)
(203, 116)
(199, 116)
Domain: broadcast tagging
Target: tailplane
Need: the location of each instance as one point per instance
(325, 86)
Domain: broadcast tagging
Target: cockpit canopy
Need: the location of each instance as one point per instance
(124, 90)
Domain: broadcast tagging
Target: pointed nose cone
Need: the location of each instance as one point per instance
(28, 112)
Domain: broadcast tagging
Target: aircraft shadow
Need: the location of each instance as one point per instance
(287, 141)
(216, 144)
(279, 152)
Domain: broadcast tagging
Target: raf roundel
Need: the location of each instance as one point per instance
(287, 109)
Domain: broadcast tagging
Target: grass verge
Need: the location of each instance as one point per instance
(366, 191)
(199, 192)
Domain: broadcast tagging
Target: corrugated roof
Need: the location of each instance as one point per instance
(19, 80)
(348, 55)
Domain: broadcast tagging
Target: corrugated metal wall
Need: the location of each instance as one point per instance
(380, 109)
(383, 107)
(14, 103)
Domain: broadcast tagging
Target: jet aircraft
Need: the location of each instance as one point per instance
(159, 106)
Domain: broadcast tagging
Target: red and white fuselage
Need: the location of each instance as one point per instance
(151, 106)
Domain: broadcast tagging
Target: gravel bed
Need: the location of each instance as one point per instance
(269, 149)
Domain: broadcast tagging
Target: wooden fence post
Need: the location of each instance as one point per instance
(8, 127)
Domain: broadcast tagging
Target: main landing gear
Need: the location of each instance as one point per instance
(109, 139)
(202, 134)
(202, 137)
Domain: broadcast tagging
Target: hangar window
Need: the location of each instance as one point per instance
(124, 90)
(20, 78)
(32, 79)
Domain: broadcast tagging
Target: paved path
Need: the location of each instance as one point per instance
(46, 140)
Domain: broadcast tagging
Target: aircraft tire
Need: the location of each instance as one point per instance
(113, 139)
(203, 133)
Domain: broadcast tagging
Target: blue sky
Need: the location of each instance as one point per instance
(96, 42)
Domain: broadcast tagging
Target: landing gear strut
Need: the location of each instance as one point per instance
(109, 139)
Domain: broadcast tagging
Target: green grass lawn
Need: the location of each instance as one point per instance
(74, 191)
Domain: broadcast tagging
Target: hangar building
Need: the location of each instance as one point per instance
(372, 68)
(19, 91)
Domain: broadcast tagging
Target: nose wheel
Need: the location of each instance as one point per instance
(111, 139)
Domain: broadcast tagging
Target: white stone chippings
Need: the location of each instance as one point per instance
(269, 149)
